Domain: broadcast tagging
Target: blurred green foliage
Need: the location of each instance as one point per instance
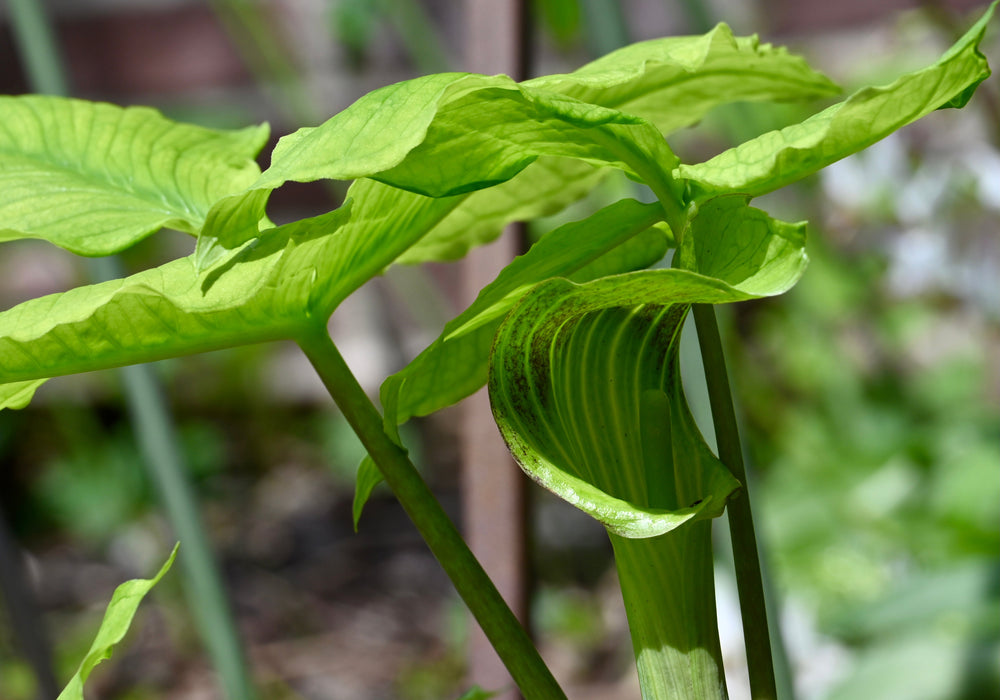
(873, 420)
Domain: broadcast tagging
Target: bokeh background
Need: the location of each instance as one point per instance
(869, 395)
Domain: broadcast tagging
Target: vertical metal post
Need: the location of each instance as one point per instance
(493, 488)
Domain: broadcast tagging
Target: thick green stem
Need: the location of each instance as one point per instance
(477, 590)
(748, 574)
(669, 594)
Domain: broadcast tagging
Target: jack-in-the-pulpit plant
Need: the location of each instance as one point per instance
(577, 340)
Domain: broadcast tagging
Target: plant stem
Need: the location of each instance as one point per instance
(21, 612)
(669, 595)
(417, 34)
(748, 574)
(36, 45)
(477, 590)
(604, 26)
(254, 36)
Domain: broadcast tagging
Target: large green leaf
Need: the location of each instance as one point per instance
(467, 131)
(117, 619)
(777, 158)
(454, 133)
(94, 178)
(674, 82)
(289, 278)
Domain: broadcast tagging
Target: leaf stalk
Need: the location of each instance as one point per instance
(749, 580)
(502, 628)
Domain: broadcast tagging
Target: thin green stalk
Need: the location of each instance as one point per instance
(699, 17)
(417, 33)
(25, 618)
(251, 30)
(477, 590)
(37, 47)
(747, 561)
(206, 593)
(605, 28)
(157, 440)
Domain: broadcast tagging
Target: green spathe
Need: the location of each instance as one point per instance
(586, 390)
(578, 369)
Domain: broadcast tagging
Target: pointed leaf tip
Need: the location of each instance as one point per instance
(367, 479)
(117, 620)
